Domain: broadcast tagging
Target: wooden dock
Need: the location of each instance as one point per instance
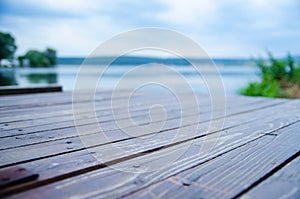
(14, 90)
(256, 153)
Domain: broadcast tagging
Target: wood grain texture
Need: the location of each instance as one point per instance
(102, 109)
(257, 140)
(284, 183)
(112, 183)
(227, 176)
(74, 143)
(38, 134)
(63, 105)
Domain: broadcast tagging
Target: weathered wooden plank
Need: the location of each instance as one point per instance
(230, 138)
(48, 110)
(66, 145)
(52, 98)
(27, 100)
(66, 97)
(111, 183)
(58, 104)
(36, 100)
(64, 105)
(284, 183)
(66, 130)
(16, 90)
(103, 108)
(139, 115)
(52, 111)
(19, 121)
(70, 159)
(227, 176)
(103, 116)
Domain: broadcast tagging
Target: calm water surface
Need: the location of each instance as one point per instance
(233, 77)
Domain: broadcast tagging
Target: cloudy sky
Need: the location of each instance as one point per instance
(227, 28)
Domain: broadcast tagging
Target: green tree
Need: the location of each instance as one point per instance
(51, 55)
(37, 58)
(40, 59)
(21, 60)
(7, 46)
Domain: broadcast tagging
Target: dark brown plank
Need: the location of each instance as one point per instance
(15, 176)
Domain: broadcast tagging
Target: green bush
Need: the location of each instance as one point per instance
(279, 78)
(267, 89)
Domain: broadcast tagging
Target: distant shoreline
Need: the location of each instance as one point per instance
(132, 60)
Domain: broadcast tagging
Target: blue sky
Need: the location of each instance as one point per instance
(228, 28)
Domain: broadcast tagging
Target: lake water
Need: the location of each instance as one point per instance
(233, 77)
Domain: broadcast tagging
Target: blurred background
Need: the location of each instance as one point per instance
(44, 42)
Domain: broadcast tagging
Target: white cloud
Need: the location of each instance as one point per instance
(188, 12)
(71, 37)
(63, 5)
(224, 28)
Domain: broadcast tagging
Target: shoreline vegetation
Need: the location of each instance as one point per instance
(35, 58)
(279, 78)
(32, 58)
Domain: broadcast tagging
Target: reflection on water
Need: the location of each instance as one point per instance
(8, 78)
(37, 78)
(234, 77)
